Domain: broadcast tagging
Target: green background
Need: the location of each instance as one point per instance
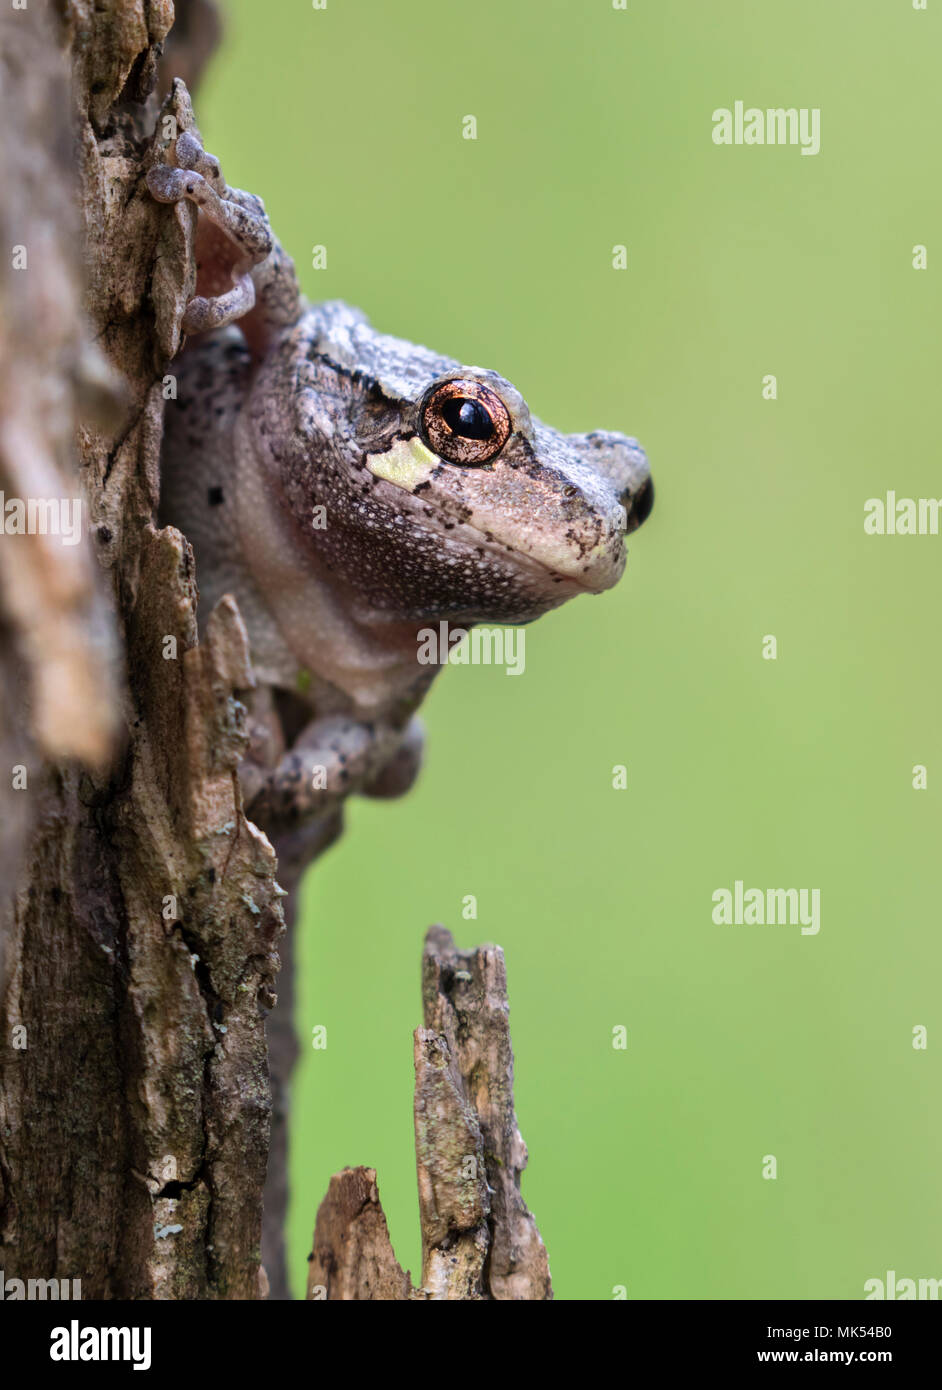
(594, 129)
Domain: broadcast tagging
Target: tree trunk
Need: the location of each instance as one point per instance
(141, 941)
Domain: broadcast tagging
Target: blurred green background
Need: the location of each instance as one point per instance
(594, 129)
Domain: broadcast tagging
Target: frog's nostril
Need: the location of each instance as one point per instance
(640, 506)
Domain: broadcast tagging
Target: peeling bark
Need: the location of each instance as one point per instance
(56, 638)
(479, 1241)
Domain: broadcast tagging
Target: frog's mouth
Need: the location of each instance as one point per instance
(565, 530)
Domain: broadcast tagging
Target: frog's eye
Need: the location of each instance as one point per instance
(464, 421)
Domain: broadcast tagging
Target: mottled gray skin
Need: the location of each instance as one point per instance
(298, 409)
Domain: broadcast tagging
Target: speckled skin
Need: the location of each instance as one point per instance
(296, 464)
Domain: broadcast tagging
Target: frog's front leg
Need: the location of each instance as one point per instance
(234, 247)
(331, 759)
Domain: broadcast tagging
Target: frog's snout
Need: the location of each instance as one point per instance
(623, 465)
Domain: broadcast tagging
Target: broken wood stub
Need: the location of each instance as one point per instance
(479, 1241)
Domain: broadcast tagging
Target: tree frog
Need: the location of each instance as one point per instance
(349, 489)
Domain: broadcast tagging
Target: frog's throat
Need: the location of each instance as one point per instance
(373, 667)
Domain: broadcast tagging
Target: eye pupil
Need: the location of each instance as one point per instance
(467, 418)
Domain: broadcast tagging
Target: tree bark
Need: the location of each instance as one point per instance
(142, 934)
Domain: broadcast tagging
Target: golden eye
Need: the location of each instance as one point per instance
(465, 422)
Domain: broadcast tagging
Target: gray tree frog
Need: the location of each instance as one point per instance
(350, 489)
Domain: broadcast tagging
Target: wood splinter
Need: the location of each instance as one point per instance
(479, 1241)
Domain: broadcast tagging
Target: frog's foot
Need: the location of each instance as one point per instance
(331, 759)
(240, 217)
(398, 775)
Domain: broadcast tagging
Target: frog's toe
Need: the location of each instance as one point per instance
(403, 768)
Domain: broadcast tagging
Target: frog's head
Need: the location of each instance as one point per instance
(444, 497)
(534, 516)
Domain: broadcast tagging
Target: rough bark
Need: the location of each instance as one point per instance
(479, 1241)
(142, 934)
(55, 636)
